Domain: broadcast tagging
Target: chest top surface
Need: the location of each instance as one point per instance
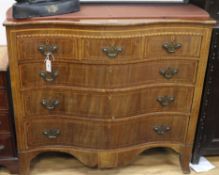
(122, 14)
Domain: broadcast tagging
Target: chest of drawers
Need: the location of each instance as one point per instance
(117, 86)
(8, 151)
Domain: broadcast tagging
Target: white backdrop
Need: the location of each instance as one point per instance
(4, 5)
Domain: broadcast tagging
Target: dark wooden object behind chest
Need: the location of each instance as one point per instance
(207, 136)
(8, 153)
(212, 6)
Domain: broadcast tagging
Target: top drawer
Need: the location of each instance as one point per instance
(109, 46)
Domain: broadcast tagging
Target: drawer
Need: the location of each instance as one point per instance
(108, 76)
(163, 45)
(61, 46)
(108, 105)
(106, 135)
(113, 49)
(4, 122)
(3, 100)
(151, 100)
(64, 102)
(6, 149)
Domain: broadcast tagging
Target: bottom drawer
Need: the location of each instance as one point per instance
(6, 145)
(106, 135)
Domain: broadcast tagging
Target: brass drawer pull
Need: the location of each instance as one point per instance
(168, 73)
(171, 47)
(47, 49)
(165, 100)
(2, 147)
(51, 133)
(112, 52)
(162, 129)
(50, 104)
(49, 76)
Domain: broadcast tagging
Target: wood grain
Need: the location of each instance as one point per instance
(108, 105)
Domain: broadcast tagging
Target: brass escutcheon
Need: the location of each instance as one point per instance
(112, 52)
(51, 133)
(162, 129)
(49, 76)
(47, 49)
(50, 104)
(172, 46)
(165, 100)
(168, 73)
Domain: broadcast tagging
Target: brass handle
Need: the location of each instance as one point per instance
(165, 100)
(47, 49)
(162, 129)
(50, 104)
(2, 147)
(49, 76)
(171, 47)
(168, 73)
(51, 133)
(112, 52)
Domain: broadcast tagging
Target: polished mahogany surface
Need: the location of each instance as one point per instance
(127, 11)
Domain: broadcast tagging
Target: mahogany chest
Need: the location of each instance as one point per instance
(104, 85)
(8, 150)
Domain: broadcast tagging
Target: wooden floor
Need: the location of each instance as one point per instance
(152, 162)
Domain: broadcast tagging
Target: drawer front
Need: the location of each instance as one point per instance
(173, 46)
(3, 100)
(67, 74)
(62, 47)
(106, 105)
(4, 122)
(6, 149)
(113, 49)
(108, 76)
(151, 100)
(83, 104)
(104, 135)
